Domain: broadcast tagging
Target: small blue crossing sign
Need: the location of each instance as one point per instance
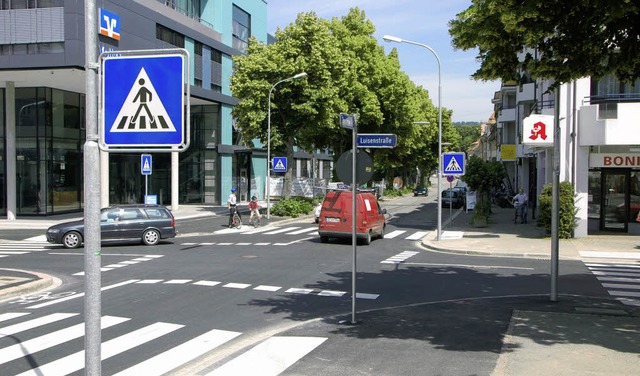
(279, 164)
(143, 101)
(453, 163)
(145, 164)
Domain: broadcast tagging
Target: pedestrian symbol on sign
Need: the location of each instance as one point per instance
(143, 96)
(453, 166)
(279, 164)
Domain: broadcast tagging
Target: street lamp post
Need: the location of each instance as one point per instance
(390, 38)
(299, 75)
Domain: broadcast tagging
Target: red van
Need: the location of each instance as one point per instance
(335, 217)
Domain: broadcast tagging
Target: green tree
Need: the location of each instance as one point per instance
(563, 39)
(347, 72)
(468, 135)
(483, 176)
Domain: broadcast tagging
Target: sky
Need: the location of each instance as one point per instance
(421, 21)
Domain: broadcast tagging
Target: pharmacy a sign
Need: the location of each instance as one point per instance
(145, 101)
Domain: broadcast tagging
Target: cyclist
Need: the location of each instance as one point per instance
(231, 204)
(255, 210)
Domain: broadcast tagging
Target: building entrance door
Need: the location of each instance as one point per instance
(615, 206)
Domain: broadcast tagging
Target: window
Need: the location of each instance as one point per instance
(169, 36)
(216, 56)
(197, 48)
(241, 29)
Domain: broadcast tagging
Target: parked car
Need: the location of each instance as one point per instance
(147, 223)
(452, 198)
(337, 213)
(421, 191)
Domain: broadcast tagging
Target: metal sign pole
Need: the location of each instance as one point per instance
(353, 223)
(92, 283)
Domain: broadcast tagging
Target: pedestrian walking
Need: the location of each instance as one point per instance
(521, 202)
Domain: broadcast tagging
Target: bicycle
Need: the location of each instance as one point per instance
(255, 219)
(237, 221)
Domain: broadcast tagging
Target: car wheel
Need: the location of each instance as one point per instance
(72, 239)
(151, 237)
(324, 239)
(382, 232)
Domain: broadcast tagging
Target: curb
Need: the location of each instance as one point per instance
(41, 282)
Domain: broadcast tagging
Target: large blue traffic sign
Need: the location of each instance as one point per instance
(146, 164)
(143, 101)
(453, 164)
(279, 164)
(373, 140)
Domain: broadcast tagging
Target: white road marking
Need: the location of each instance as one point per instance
(79, 295)
(281, 230)
(625, 293)
(304, 230)
(207, 283)
(393, 234)
(612, 255)
(417, 235)
(75, 362)
(182, 354)
(331, 292)
(295, 290)
(271, 357)
(178, 281)
(360, 295)
(469, 266)
(621, 286)
(237, 285)
(12, 315)
(17, 328)
(46, 341)
(149, 281)
(267, 288)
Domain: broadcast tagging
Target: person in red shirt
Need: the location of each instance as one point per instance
(254, 207)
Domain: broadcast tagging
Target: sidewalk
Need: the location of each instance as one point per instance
(502, 237)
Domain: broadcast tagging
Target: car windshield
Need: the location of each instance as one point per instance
(449, 194)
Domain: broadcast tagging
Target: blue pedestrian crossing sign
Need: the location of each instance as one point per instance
(144, 99)
(453, 163)
(279, 164)
(145, 164)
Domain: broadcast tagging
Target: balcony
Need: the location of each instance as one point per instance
(611, 120)
(507, 115)
(526, 92)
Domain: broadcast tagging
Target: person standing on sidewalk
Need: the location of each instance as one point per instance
(521, 200)
(231, 204)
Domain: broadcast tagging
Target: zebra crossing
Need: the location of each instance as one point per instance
(22, 248)
(622, 280)
(308, 232)
(22, 340)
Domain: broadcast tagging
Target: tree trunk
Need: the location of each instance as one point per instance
(288, 176)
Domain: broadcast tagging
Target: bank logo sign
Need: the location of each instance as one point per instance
(109, 24)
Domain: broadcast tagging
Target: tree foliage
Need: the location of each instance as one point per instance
(561, 39)
(483, 176)
(567, 210)
(347, 72)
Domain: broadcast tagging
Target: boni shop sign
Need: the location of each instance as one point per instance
(613, 160)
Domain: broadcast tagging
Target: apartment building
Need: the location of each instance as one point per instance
(599, 146)
(42, 102)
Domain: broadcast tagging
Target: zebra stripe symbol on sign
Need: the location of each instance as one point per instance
(453, 163)
(143, 109)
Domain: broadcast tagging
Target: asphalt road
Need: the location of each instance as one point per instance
(278, 289)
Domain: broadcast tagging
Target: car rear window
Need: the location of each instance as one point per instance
(157, 213)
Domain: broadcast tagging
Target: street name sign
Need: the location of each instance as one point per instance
(453, 163)
(145, 101)
(373, 140)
